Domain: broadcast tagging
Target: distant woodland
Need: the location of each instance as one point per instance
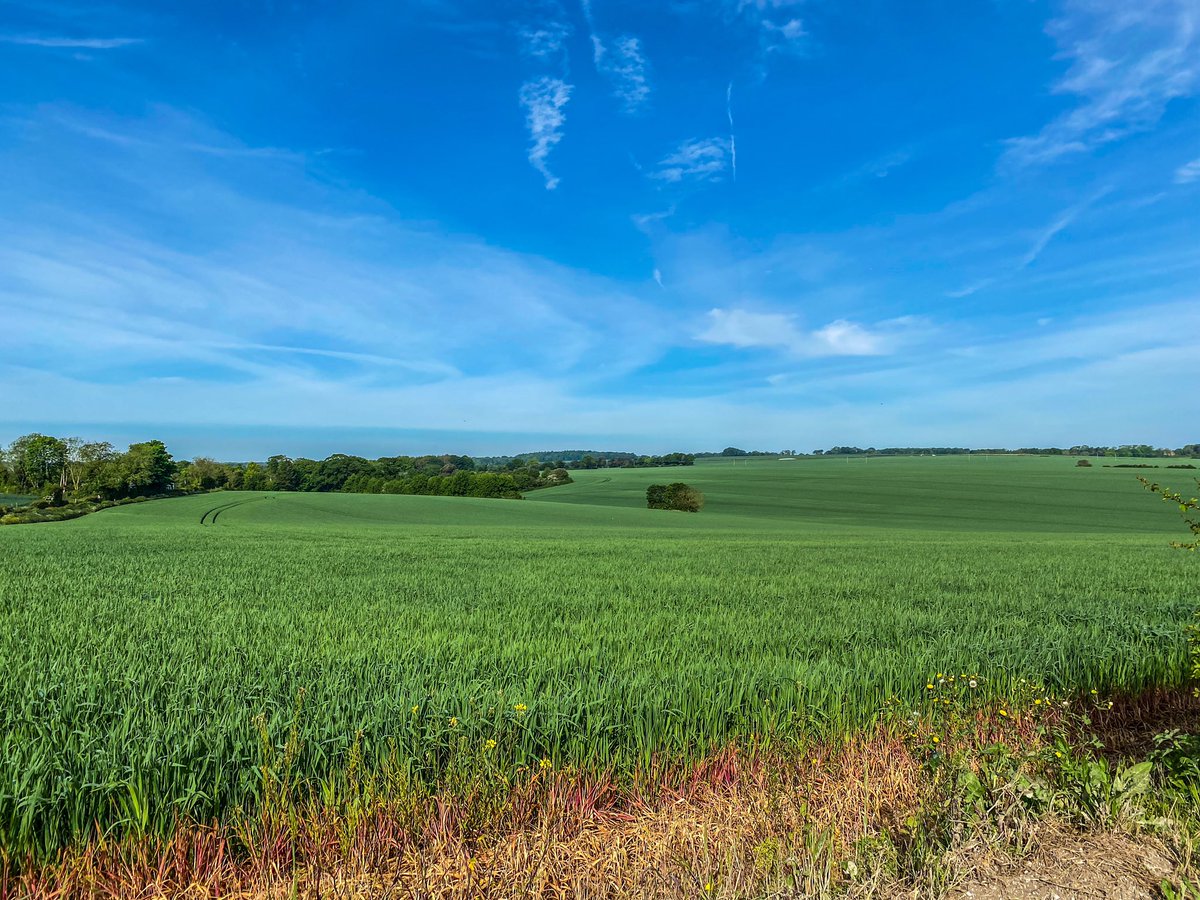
(64, 469)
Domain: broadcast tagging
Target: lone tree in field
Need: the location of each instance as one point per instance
(674, 496)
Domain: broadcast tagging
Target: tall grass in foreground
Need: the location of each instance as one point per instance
(894, 811)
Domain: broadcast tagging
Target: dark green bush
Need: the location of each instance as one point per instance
(677, 495)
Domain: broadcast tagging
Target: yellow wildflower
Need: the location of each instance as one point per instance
(454, 721)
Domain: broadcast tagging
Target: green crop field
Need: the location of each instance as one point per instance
(140, 645)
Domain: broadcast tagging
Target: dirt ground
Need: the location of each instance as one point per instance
(1095, 867)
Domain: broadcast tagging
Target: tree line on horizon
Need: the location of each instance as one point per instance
(588, 459)
(36, 464)
(71, 468)
(39, 464)
(606, 459)
(1134, 451)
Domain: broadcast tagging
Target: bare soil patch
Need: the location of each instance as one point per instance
(1077, 867)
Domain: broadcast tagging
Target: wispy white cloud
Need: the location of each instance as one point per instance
(1040, 241)
(649, 223)
(785, 33)
(545, 41)
(699, 159)
(1000, 390)
(307, 285)
(68, 43)
(744, 329)
(543, 100)
(843, 338)
(182, 132)
(883, 166)
(774, 22)
(973, 288)
(1127, 62)
(1047, 234)
(877, 168)
(1126, 357)
(622, 61)
(1188, 172)
(732, 135)
(590, 18)
(625, 65)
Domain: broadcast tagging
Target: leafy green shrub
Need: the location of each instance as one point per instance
(677, 495)
(684, 497)
(1189, 508)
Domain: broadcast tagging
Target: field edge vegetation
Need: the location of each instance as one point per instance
(916, 805)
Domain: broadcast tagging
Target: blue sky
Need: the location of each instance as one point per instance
(434, 225)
